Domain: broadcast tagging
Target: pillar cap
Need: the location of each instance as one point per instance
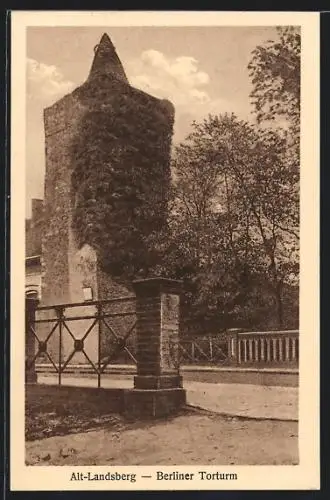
(33, 301)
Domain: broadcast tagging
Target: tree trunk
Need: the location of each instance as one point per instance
(279, 306)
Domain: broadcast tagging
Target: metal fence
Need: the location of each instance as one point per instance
(97, 335)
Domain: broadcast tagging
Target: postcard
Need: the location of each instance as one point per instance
(164, 251)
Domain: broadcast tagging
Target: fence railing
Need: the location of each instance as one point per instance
(268, 348)
(255, 349)
(96, 333)
(103, 333)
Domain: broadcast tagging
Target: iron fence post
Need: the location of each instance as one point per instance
(30, 341)
(60, 314)
(99, 340)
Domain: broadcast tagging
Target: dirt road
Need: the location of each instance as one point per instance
(189, 439)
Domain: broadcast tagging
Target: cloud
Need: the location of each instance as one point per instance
(182, 81)
(178, 79)
(46, 83)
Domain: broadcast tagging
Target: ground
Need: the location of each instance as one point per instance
(240, 399)
(61, 433)
(188, 439)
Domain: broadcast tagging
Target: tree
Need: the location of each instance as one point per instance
(275, 72)
(233, 220)
(274, 69)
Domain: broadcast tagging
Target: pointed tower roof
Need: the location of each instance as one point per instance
(106, 61)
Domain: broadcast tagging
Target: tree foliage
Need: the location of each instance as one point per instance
(275, 74)
(275, 69)
(233, 222)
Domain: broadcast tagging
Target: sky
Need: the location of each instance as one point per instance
(201, 70)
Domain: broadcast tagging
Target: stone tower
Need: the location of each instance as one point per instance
(68, 268)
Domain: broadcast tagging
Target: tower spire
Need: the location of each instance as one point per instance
(106, 61)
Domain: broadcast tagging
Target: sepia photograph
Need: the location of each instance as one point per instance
(163, 200)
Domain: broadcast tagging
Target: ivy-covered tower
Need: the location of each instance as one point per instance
(106, 184)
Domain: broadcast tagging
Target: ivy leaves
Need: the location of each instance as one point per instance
(121, 178)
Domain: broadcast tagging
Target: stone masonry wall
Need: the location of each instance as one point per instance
(60, 122)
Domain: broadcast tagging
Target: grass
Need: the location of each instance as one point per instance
(57, 411)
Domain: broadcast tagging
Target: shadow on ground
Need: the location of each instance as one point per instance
(58, 411)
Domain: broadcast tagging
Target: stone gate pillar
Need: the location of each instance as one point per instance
(158, 387)
(30, 341)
